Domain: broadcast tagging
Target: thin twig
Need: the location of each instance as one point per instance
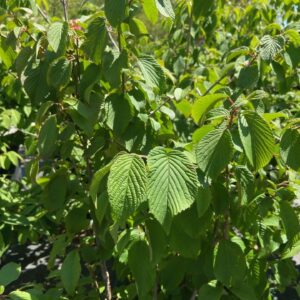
(43, 14)
(214, 84)
(159, 107)
(120, 50)
(195, 295)
(112, 39)
(65, 8)
(188, 46)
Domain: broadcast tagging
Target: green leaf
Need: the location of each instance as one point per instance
(114, 72)
(141, 267)
(172, 183)
(126, 186)
(150, 10)
(157, 239)
(289, 219)
(290, 148)
(209, 292)
(9, 273)
(248, 77)
(97, 178)
(203, 104)
(54, 195)
(257, 139)
(58, 36)
(270, 46)
(152, 71)
(21, 295)
(115, 11)
(203, 200)
(245, 184)
(90, 77)
(244, 291)
(96, 40)
(59, 73)
(70, 272)
(184, 236)
(230, 265)
(214, 152)
(165, 8)
(47, 137)
(76, 220)
(118, 112)
(292, 248)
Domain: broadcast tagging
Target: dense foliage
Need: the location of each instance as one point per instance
(157, 145)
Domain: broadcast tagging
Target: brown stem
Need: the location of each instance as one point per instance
(120, 49)
(65, 8)
(106, 277)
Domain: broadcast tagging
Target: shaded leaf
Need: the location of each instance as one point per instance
(290, 148)
(70, 271)
(47, 137)
(9, 273)
(96, 40)
(59, 73)
(230, 265)
(115, 11)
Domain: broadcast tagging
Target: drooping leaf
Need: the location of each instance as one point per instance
(244, 291)
(47, 137)
(248, 77)
(204, 103)
(97, 178)
(70, 272)
(289, 219)
(115, 11)
(96, 40)
(209, 292)
(54, 194)
(114, 72)
(157, 240)
(119, 113)
(257, 139)
(21, 295)
(90, 77)
(59, 73)
(230, 265)
(58, 36)
(172, 183)
(292, 247)
(9, 273)
(270, 46)
(150, 10)
(245, 184)
(141, 267)
(165, 8)
(203, 200)
(184, 236)
(152, 71)
(290, 148)
(126, 185)
(214, 152)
